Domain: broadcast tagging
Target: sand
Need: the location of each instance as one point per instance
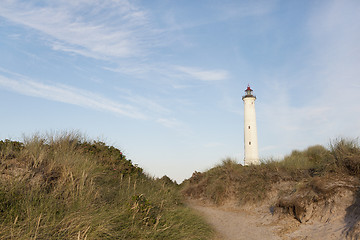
(257, 222)
(236, 224)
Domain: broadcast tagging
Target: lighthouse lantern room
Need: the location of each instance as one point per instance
(248, 92)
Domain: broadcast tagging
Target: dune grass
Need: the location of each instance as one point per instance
(66, 187)
(252, 184)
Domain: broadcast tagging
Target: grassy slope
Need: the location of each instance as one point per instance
(68, 188)
(311, 172)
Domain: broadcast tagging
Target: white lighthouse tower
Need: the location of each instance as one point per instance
(250, 132)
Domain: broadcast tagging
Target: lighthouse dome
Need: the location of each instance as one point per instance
(248, 93)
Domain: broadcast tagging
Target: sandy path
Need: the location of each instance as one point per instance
(236, 225)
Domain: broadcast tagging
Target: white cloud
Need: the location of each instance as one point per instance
(216, 11)
(67, 94)
(145, 103)
(83, 27)
(204, 75)
(170, 74)
(110, 30)
(170, 122)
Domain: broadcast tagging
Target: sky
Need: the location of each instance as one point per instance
(162, 80)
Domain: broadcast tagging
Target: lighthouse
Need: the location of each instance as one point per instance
(251, 155)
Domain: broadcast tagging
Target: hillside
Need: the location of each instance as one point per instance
(66, 187)
(310, 194)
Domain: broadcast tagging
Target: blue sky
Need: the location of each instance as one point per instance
(162, 80)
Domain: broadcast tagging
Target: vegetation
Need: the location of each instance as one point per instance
(310, 170)
(65, 187)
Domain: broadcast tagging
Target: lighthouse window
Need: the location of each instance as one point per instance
(249, 127)
(249, 143)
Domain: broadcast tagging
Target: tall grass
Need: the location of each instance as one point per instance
(252, 184)
(66, 187)
(346, 155)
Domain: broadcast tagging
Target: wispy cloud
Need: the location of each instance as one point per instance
(216, 11)
(201, 74)
(147, 104)
(170, 122)
(174, 72)
(110, 30)
(83, 27)
(67, 94)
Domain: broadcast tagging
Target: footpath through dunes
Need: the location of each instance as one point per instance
(236, 224)
(231, 222)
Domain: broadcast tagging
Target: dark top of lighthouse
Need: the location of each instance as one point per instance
(248, 93)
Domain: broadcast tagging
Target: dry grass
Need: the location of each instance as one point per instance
(65, 187)
(252, 184)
